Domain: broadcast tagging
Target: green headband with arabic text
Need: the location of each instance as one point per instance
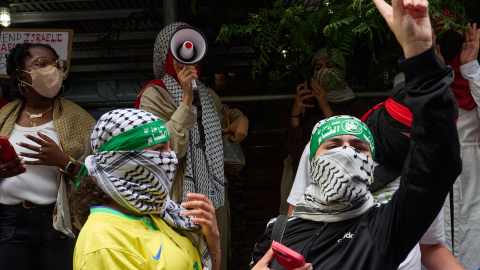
(138, 138)
(134, 139)
(341, 126)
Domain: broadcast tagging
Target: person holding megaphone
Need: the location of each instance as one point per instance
(194, 118)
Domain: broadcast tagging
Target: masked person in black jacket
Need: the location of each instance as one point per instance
(340, 228)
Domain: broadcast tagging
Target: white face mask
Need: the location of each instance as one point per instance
(46, 81)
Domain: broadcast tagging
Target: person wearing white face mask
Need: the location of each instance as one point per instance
(123, 199)
(49, 134)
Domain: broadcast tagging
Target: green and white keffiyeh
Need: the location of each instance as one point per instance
(139, 180)
(340, 177)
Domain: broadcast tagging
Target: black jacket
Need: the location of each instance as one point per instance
(383, 236)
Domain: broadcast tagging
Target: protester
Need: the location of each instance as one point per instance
(330, 95)
(195, 121)
(49, 132)
(349, 231)
(390, 123)
(130, 220)
(460, 51)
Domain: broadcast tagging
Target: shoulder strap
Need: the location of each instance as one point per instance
(452, 220)
(279, 229)
(228, 121)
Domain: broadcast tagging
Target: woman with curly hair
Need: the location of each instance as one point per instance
(130, 220)
(49, 134)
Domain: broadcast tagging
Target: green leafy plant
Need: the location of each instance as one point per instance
(286, 35)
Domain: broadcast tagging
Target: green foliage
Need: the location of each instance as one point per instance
(286, 36)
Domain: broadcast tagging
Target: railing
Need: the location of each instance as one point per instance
(130, 103)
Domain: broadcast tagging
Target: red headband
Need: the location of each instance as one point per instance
(399, 112)
(365, 116)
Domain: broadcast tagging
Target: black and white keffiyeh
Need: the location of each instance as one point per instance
(335, 56)
(139, 180)
(204, 171)
(335, 86)
(338, 190)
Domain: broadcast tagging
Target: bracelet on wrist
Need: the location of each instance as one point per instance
(215, 252)
(295, 116)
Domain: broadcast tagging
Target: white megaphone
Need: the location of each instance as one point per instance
(188, 46)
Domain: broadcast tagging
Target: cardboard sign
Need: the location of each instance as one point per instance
(58, 39)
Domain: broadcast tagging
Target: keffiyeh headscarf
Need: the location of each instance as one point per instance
(204, 170)
(334, 56)
(339, 178)
(139, 180)
(335, 86)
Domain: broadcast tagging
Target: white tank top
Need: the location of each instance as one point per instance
(39, 183)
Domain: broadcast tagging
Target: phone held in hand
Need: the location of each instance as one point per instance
(7, 151)
(287, 257)
(310, 100)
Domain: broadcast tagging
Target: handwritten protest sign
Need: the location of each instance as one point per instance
(59, 39)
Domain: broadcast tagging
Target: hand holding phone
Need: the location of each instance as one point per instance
(287, 257)
(310, 100)
(7, 151)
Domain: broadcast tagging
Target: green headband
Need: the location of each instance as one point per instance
(134, 139)
(341, 126)
(138, 138)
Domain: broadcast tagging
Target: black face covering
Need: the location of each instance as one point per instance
(450, 44)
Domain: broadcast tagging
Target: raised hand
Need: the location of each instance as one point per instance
(409, 21)
(204, 214)
(319, 93)
(298, 105)
(185, 75)
(470, 47)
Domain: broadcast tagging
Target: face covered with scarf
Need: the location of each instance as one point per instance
(129, 168)
(341, 170)
(329, 72)
(137, 179)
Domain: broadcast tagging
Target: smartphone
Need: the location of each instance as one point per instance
(310, 100)
(7, 151)
(287, 257)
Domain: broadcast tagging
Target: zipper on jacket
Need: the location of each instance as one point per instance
(309, 244)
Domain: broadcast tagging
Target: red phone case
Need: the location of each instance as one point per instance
(7, 151)
(287, 257)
